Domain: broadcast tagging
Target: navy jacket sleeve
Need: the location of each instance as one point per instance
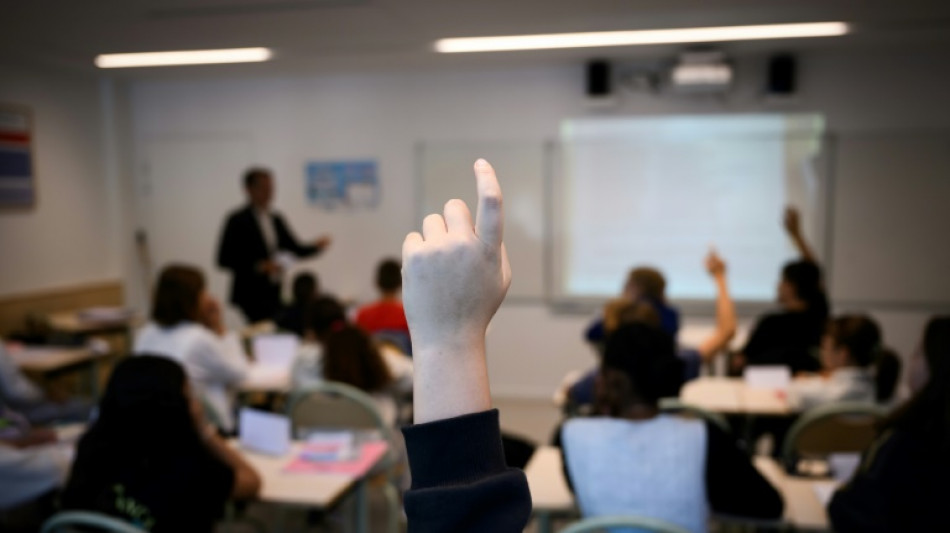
(733, 485)
(460, 482)
(287, 241)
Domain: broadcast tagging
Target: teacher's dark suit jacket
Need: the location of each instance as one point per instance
(242, 248)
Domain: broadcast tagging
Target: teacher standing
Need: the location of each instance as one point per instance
(255, 246)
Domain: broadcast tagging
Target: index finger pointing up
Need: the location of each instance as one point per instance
(490, 217)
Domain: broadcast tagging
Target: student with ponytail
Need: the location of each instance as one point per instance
(855, 366)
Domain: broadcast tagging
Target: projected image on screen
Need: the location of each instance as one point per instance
(660, 191)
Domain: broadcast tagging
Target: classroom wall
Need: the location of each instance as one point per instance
(65, 238)
(213, 127)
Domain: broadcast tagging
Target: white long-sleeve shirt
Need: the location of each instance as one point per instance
(849, 384)
(213, 364)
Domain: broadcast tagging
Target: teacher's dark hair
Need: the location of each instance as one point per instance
(177, 295)
(253, 174)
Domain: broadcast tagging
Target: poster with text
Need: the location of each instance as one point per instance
(17, 184)
(343, 184)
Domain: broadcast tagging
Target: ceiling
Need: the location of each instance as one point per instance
(311, 35)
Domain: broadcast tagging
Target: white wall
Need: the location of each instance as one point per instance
(283, 122)
(65, 238)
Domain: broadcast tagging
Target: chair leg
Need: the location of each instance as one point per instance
(393, 507)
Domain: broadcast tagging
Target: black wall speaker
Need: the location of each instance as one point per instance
(598, 79)
(782, 74)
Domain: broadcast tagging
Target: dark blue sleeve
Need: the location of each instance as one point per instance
(595, 332)
(460, 482)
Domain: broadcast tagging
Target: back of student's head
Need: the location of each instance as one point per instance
(936, 342)
(927, 414)
(639, 367)
(177, 295)
(805, 279)
(325, 313)
(145, 406)
(349, 356)
(859, 335)
(305, 288)
(389, 276)
(648, 283)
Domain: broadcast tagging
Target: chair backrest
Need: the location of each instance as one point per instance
(76, 521)
(333, 405)
(833, 428)
(639, 523)
(675, 406)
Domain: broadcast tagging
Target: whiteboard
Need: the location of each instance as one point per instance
(892, 219)
(446, 172)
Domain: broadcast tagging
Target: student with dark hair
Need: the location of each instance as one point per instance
(855, 366)
(252, 243)
(293, 317)
(901, 483)
(387, 313)
(151, 459)
(630, 459)
(789, 337)
(344, 353)
(186, 326)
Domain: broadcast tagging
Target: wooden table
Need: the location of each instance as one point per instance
(47, 360)
(308, 490)
(733, 396)
(550, 495)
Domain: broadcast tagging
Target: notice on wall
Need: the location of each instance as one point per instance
(343, 184)
(17, 184)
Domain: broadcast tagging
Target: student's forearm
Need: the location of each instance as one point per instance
(803, 248)
(725, 309)
(450, 380)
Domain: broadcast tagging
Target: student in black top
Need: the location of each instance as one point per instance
(792, 336)
(150, 458)
(252, 242)
(293, 317)
(455, 276)
(901, 484)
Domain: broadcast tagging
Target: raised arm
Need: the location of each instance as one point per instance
(793, 227)
(455, 276)
(725, 310)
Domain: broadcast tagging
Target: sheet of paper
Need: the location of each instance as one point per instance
(264, 432)
(286, 260)
(768, 377)
(276, 351)
(824, 490)
(843, 465)
(370, 454)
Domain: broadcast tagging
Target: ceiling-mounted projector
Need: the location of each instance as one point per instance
(706, 71)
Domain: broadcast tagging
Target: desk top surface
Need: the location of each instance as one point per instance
(50, 358)
(732, 395)
(318, 490)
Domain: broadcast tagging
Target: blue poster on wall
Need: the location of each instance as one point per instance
(346, 184)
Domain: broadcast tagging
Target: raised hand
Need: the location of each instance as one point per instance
(714, 264)
(455, 276)
(792, 221)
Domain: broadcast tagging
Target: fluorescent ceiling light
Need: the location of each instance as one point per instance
(640, 37)
(184, 57)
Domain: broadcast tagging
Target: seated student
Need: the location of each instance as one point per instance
(37, 405)
(31, 477)
(901, 483)
(790, 336)
(292, 318)
(386, 314)
(460, 482)
(151, 459)
(633, 460)
(347, 354)
(647, 284)
(186, 326)
(850, 352)
(582, 392)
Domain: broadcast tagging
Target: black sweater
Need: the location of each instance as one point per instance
(460, 482)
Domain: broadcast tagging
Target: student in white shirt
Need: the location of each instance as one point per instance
(186, 326)
(855, 367)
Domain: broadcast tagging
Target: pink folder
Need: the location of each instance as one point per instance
(370, 454)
